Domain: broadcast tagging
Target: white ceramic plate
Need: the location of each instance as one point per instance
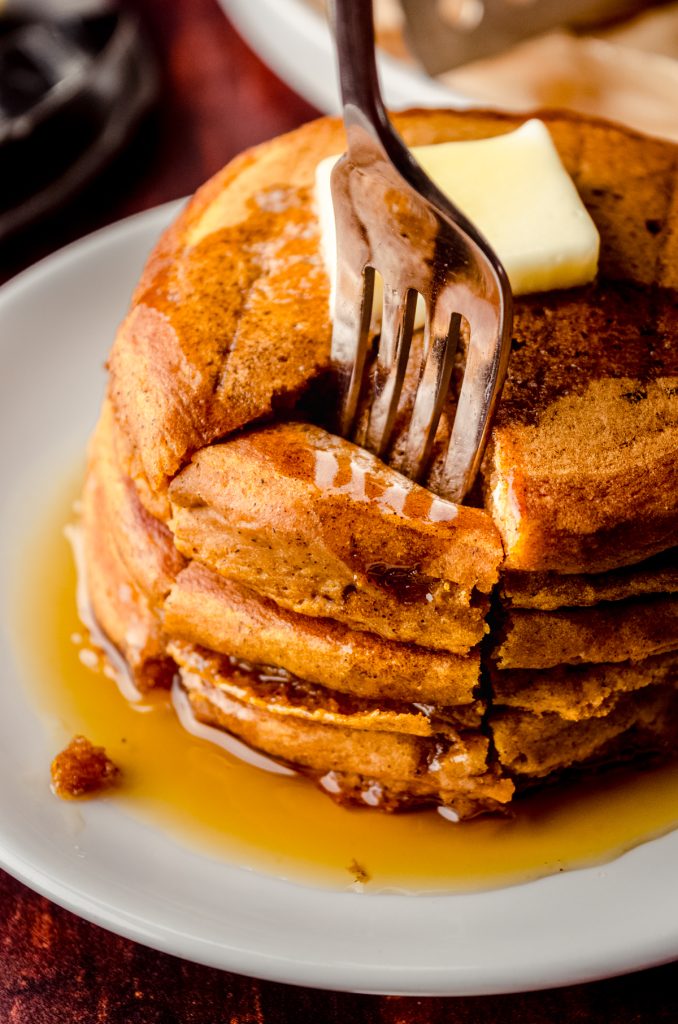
(294, 40)
(56, 324)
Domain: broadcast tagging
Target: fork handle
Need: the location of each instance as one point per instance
(361, 97)
(363, 106)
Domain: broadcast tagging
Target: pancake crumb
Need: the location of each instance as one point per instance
(359, 872)
(82, 769)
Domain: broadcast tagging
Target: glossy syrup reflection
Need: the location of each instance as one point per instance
(205, 797)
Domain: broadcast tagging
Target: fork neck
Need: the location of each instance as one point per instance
(361, 97)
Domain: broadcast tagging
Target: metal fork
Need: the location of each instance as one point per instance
(391, 218)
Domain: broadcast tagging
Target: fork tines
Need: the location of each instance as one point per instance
(392, 220)
(389, 233)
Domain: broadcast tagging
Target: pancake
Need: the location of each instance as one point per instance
(264, 688)
(548, 590)
(324, 528)
(576, 692)
(581, 475)
(535, 746)
(122, 610)
(615, 631)
(387, 768)
(144, 544)
(230, 325)
(205, 609)
(398, 649)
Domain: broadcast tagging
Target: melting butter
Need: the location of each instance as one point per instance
(515, 189)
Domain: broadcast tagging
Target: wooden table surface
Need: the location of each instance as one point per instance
(55, 968)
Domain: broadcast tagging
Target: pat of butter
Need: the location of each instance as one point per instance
(515, 189)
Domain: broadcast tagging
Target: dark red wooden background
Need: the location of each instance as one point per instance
(54, 968)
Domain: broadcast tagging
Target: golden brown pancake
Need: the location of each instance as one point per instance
(584, 478)
(123, 611)
(615, 631)
(328, 611)
(144, 544)
(575, 692)
(537, 745)
(205, 609)
(420, 766)
(324, 528)
(208, 609)
(549, 590)
(274, 690)
(230, 325)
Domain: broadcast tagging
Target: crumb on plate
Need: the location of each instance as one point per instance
(360, 873)
(82, 769)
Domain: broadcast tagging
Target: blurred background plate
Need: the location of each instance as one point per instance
(294, 39)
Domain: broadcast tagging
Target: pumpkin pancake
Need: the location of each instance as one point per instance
(396, 768)
(575, 692)
(613, 631)
(230, 325)
(144, 544)
(546, 591)
(122, 610)
(535, 746)
(399, 649)
(206, 609)
(324, 528)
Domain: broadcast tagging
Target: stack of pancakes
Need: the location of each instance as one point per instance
(397, 648)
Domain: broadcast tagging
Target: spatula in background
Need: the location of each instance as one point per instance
(446, 33)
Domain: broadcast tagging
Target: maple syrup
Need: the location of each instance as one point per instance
(204, 796)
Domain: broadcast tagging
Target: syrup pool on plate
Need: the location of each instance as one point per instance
(203, 796)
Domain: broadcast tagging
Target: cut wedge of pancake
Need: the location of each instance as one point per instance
(206, 609)
(324, 528)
